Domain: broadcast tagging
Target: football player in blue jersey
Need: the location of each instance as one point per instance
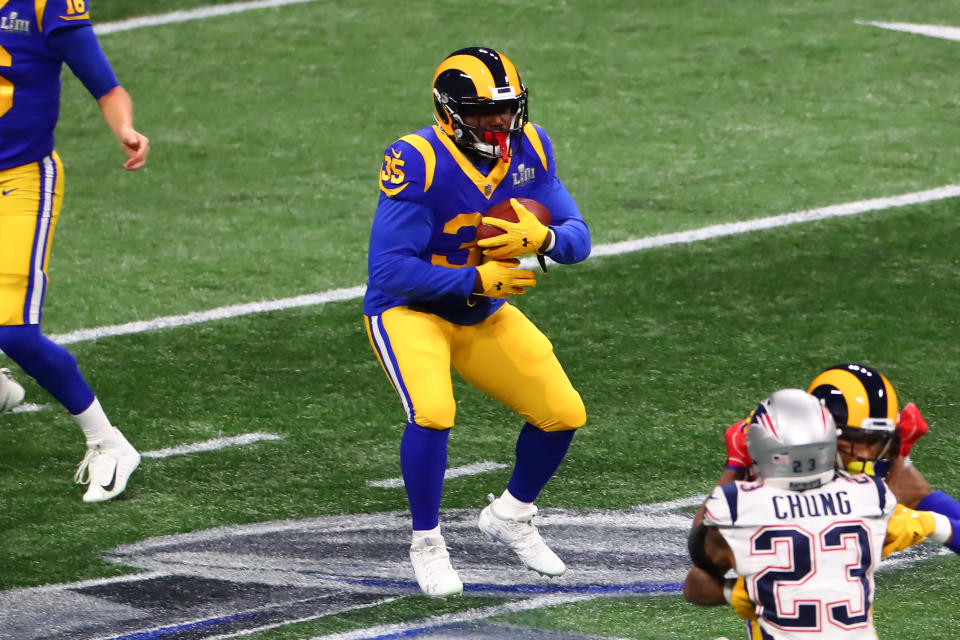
(437, 298)
(36, 38)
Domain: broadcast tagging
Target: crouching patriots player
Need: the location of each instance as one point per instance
(432, 303)
(804, 538)
(875, 437)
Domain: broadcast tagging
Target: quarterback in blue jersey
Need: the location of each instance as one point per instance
(437, 298)
(36, 38)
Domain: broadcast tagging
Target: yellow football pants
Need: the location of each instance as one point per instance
(505, 356)
(30, 199)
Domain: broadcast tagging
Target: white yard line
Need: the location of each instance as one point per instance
(199, 13)
(416, 627)
(929, 30)
(266, 627)
(220, 313)
(455, 472)
(29, 407)
(627, 246)
(211, 445)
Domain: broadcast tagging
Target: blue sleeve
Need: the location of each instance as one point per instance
(80, 49)
(400, 235)
(572, 234)
(942, 503)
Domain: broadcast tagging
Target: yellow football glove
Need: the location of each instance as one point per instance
(735, 592)
(907, 528)
(499, 279)
(527, 235)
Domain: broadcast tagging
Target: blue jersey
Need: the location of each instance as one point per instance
(423, 242)
(30, 75)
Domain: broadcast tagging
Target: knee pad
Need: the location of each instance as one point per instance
(438, 418)
(567, 412)
(438, 414)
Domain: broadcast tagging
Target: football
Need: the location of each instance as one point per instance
(504, 211)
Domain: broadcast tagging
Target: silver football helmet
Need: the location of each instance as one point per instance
(792, 439)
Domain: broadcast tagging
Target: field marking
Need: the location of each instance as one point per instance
(200, 13)
(456, 472)
(782, 220)
(29, 407)
(211, 445)
(220, 313)
(627, 246)
(929, 30)
(416, 627)
(158, 632)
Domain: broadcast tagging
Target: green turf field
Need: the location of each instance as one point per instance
(268, 129)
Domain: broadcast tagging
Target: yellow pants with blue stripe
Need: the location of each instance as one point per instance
(505, 356)
(30, 199)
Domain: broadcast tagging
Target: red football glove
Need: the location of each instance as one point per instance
(736, 439)
(912, 426)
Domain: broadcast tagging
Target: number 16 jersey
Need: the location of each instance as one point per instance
(30, 75)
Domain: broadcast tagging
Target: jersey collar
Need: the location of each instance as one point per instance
(486, 184)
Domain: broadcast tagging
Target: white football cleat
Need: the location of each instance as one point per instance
(106, 468)
(431, 565)
(521, 535)
(11, 393)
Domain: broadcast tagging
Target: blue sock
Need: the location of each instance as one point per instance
(53, 367)
(539, 454)
(423, 460)
(942, 503)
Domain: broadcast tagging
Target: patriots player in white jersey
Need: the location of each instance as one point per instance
(875, 437)
(804, 538)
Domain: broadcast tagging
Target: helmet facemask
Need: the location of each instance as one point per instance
(866, 447)
(489, 143)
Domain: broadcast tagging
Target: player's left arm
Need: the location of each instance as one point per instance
(79, 48)
(570, 236)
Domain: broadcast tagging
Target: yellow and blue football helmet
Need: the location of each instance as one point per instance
(478, 81)
(864, 406)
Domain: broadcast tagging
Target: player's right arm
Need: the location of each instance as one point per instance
(398, 260)
(398, 240)
(705, 584)
(713, 558)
